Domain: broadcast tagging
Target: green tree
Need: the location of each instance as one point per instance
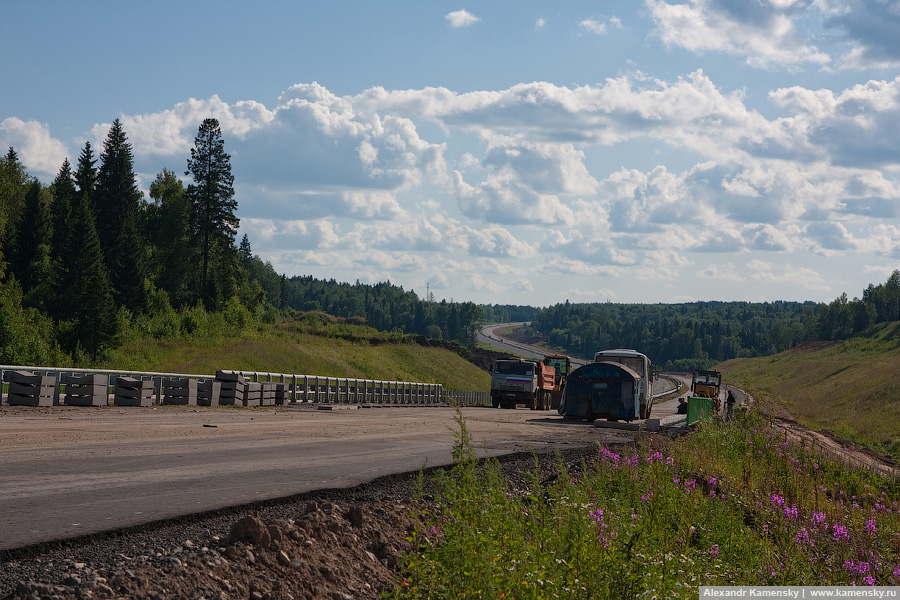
(118, 205)
(169, 227)
(93, 311)
(213, 207)
(64, 194)
(13, 188)
(34, 230)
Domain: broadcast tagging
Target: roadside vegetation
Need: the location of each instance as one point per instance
(732, 503)
(311, 343)
(849, 388)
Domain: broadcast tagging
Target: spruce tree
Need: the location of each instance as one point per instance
(13, 187)
(117, 211)
(213, 207)
(63, 198)
(86, 174)
(92, 309)
(34, 230)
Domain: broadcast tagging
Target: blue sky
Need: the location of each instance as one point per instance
(505, 151)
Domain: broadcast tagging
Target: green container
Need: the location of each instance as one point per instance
(700, 408)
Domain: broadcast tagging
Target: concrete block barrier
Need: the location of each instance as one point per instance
(86, 390)
(28, 389)
(179, 391)
(208, 393)
(130, 391)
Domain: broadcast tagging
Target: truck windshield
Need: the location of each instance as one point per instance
(514, 368)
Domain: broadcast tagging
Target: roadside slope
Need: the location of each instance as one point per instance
(848, 388)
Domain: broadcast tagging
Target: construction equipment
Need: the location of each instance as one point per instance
(706, 384)
(562, 365)
(521, 382)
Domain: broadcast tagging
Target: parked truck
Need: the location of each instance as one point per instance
(562, 364)
(526, 382)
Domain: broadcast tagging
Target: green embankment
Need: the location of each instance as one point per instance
(851, 388)
(346, 351)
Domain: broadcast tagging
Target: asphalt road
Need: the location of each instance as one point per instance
(68, 471)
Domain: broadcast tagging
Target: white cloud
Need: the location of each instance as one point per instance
(38, 150)
(461, 18)
(593, 26)
(762, 31)
(539, 24)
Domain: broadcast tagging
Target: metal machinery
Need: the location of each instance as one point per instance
(706, 384)
(521, 382)
(602, 390)
(640, 364)
(562, 366)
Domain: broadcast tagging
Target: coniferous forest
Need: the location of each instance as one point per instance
(88, 261)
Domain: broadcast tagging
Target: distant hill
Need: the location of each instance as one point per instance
(850, 388)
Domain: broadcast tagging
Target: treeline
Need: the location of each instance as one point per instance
(89, 261)
(701, 334)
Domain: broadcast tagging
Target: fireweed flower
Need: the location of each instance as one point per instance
(871, 527)
(714, 550)
(802, 538)
(839, 532)
(670, 461)
(790, 513)
(776, 500)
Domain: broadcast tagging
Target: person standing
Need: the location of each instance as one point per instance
(729, 405)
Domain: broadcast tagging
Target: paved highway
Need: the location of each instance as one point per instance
(68, 471)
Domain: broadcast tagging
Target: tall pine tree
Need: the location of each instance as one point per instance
(117, 211)
(213, 206)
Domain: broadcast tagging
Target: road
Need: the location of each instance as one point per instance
(67, 471)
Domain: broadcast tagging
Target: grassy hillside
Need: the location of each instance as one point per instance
(851, 388)
(313, 345)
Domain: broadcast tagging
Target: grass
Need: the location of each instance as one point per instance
(733, 503)
(322, 347)
(848, 388)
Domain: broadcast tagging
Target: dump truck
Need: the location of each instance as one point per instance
(526, 382)
(562, 364)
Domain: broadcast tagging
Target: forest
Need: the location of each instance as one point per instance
(88, 261)
(700, 334)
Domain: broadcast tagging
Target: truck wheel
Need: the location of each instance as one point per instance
(495, 401)
(533, 405)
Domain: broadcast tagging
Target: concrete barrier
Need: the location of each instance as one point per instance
(91, 389)
(28, 389)
(131, 391)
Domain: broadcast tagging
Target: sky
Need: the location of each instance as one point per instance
(504, 151)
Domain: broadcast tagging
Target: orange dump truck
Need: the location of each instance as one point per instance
(526, 382)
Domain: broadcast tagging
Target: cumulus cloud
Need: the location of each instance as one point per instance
(870, 28)
(461, 18)
(763, 31)
(36, 147)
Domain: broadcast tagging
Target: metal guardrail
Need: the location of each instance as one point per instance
(311, 389)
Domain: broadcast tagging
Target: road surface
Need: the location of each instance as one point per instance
(67, 471)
